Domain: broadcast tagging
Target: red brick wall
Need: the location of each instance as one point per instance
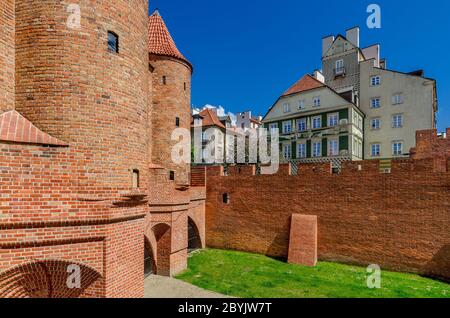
(7, 27)
(50, 210)
(70, 86)
(400, 221)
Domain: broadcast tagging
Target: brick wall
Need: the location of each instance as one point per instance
(7, 61)
(400, 221)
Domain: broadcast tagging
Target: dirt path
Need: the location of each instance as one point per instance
(165, 287)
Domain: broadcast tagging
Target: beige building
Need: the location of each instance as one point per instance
(395, 104)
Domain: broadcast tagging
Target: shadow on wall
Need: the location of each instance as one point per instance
(439, 266)
(45, 279)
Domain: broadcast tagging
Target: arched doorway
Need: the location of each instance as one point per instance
(149, 260)
(163, 236)
(47, 279)
(194, 241)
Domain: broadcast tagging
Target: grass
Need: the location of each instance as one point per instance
(255, 276)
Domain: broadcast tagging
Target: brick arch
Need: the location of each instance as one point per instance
(194, 238)
(45, 279)
(149, 245)
(163, 237)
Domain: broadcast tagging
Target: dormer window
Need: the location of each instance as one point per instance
(113, 42)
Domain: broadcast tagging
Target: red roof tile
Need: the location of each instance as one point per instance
(160, 41)
(16, 128)
(306, 83)
(210, 119)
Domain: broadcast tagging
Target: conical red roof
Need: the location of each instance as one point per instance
(160, 41)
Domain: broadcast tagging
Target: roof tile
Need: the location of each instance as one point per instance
(16, 128)
(306, 83)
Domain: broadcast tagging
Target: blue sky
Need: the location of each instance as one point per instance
(247, 52)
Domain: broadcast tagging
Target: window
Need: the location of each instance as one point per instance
(273, 127)
(397, 99)
(339, 67)
(172, 175)
(376, 150)
(301, 150)
(243, 125)
(286, 108)
(375, 80)
(287, 152)
(287, 127)
(375, 123)
(184, 84)
(301, 104)
(333, 120)
(301, 124)
(317, 122)
(317, 149)
(397, 148)
(316, 101)
(177, 121)
(226, 198)
(397, 121)
(113, 42)
(164, 80)
(375, 102)
(135, 179)
(333, 144)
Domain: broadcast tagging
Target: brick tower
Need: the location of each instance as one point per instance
(172, 211)
(74, 152)
(7, 24)
(171, 81)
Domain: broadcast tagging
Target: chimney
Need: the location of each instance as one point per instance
(319, 76)
(326, 44)
(352, 36)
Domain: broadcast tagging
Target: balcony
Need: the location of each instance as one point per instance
(339, 71)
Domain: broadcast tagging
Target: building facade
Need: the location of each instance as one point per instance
(396, 104)
(315, 123)
(87, 181)
(246, 121)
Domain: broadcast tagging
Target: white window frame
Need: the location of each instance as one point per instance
(286, 108)
(335, 122)
(301, 150)
(285, 125)
(397, 148)
(273, 127)
(287, 151)
(302, 120)
(301, 104)
(313, 121)
(375, 120)
(314, 148)
(316, 101)
(335, 148)
(375, 103)
(372, 150)
(339, 64)
(375, 80)
(397, 99)
(397, 121)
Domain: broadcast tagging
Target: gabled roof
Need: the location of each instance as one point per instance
(16, 128)
(210, 119)
(306, 83)
(160, 42)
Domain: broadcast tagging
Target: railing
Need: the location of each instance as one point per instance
(336, 162)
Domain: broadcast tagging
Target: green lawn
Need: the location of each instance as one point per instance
(255, 276)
